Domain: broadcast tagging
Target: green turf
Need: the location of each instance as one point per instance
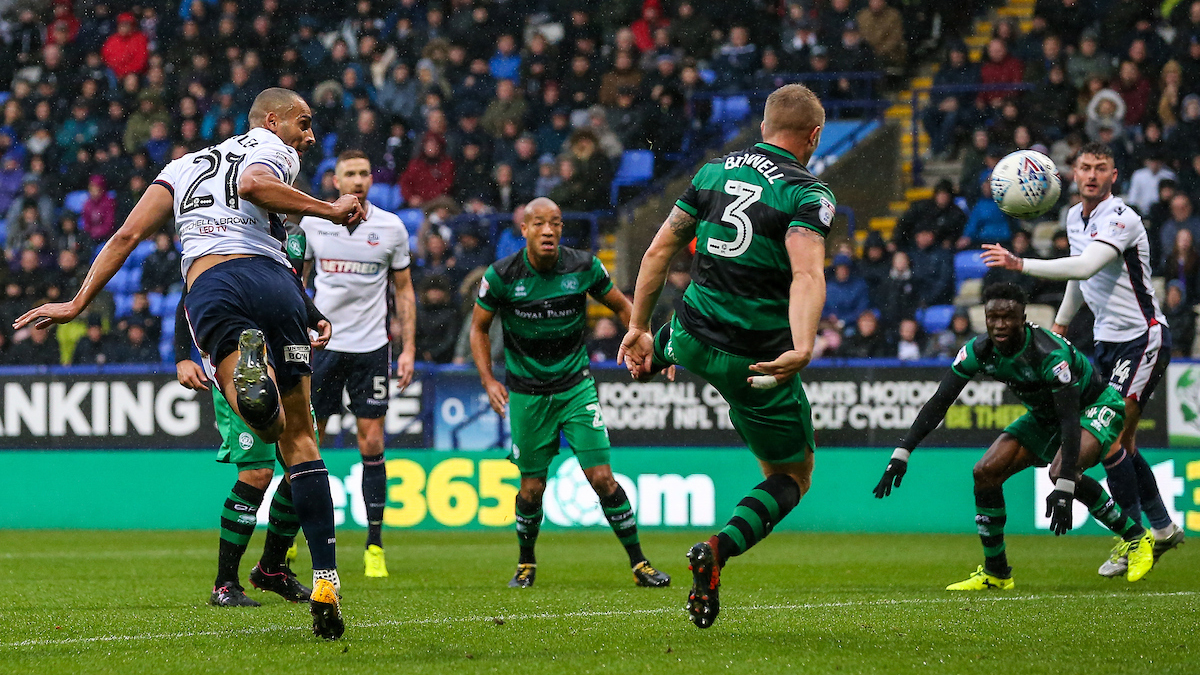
(129, 602)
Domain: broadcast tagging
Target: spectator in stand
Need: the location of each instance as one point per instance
(548, 177)
(624, 75)
(945, 345)
(898, 296)
(1051, 105)
(510, 240)
(470, 253)
(429, 175)
(137, 129)
(1105, 110)
(651, 20)
(1050, 55)
(629, 119)
(910, 342)
(874, 265)
(865, 341)
(883, 29)
(829, 340)
(94, 348)
(505, 193)
(1160, 212)
(933, 265)
(437, 321)
(136, 347)
(160, 270)
(508, 105)
(987, 224)
(1143, 184)
(846, 295)
(1182, 263)
(592, 169)
(604, 340)
(30, 276)
(1181, 318)
(31, 195)
(10, 179)
(68, 276)
(833, 16)
(437, 261)
(40, 348)
(1182, 218)
(1000, 67)
(736, 60)
(1135, 90)
(953, 112)
(140, 314)
(852, 54)
(127, 50)
(99, 211)
(939, 213)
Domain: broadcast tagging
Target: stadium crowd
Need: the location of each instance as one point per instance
(463, 107)
(1115, 72)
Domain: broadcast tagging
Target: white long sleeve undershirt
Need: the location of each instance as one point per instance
(1082, 266)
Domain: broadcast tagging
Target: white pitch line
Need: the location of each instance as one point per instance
(586, 614)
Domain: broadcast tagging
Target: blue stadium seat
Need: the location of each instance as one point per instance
(3, 231)
(386, 197)
(156, 304)
(327, 145)
(708, 75)
(734, 110)
(968, 265)
(637, 167)
(169, 302)
(131, 280)
(326, 164)
(412, 219)
(122, 302)
(140, 253)
(166, 350)
(936, 318)
(74, 201)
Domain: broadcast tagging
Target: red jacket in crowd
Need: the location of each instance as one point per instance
(429, 175)
(127, 50)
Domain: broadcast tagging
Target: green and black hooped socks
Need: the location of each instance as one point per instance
(990, 518)
(624, 523)
(238, 519)
(282, 526)
(529, 524)
(1105, 509)
(756, 515)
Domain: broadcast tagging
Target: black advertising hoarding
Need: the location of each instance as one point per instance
(860, 406)
(146, 410)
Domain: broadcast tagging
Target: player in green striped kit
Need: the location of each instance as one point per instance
(749, 319)
(1073, 418)
(541, 295)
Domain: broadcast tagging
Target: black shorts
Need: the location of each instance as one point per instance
(364, 376)
(253, 292)
(1134, 368)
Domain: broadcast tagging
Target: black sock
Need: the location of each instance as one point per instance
(374, 490)
(529, 524)
(624, 523)
(282, 526)
(1151, 498)
(757, 514)
(314, 508)
(990, 518)
(238, 519)
(1106, 510)
(1123, 484)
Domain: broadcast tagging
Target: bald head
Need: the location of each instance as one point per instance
(541, 207)
(274, 100)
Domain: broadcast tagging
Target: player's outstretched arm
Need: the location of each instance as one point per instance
(262, 187)
(1058, 502)
(481, 351)
(1082, 266)
(806, 250)
(152, 211)
(637, 348)
(406, 312)
(931, 415)
(1071, 302)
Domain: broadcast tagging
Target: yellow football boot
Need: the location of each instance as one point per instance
(1141, 556)
(982, 581)
(374, 562)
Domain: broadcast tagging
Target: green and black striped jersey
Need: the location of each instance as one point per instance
(544, 316)
(1045, 364)
(745, 203)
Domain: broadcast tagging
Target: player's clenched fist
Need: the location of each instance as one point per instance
(347, 210)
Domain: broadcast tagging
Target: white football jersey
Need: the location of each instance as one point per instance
(1120, 294)
(353, 272)
(210, 216)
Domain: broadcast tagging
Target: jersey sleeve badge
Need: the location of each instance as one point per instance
(826, 212)
(483, 287)
(962, 356)
(1062, 372)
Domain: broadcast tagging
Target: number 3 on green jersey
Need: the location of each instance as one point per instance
(735, 215)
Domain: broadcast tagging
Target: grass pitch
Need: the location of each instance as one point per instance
(135, 602)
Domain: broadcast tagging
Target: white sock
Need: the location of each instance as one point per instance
(1164, 532)
(328, 575)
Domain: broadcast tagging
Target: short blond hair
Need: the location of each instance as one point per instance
(792, 108)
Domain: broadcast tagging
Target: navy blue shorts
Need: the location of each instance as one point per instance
(253, 292)
(1134, 368)
(365, 377)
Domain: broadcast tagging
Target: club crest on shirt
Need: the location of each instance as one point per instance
(373, 239)
(1091, 230)
(570, 284)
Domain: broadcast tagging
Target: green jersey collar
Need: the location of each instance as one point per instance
(529, 266)
(777, 150)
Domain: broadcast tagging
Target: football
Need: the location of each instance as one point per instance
(1025, 184)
